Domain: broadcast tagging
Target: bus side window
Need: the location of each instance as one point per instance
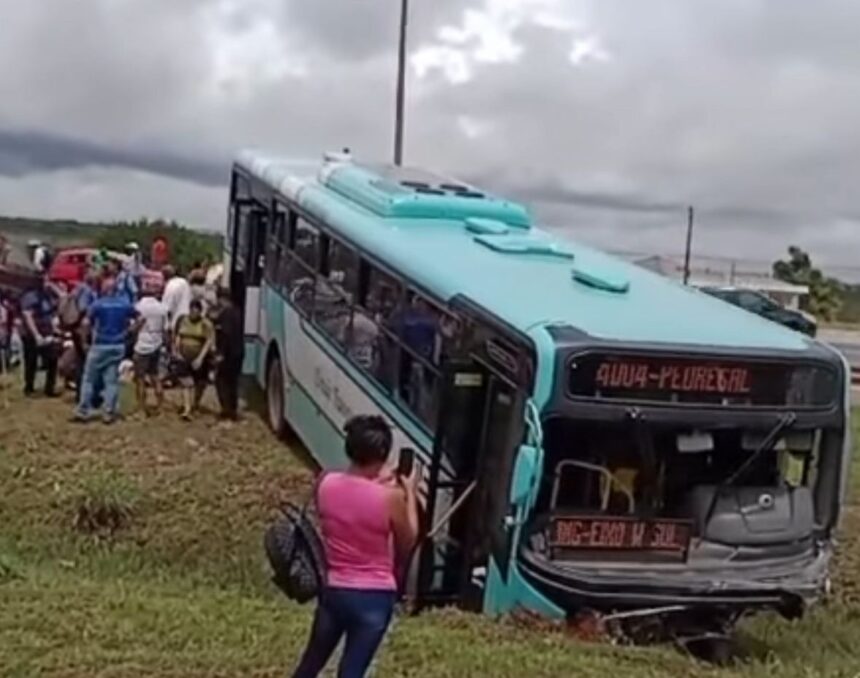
(301, 271)
(277, 242)
(419, 325)
(335, 290)
(307, 244)
(373, 344)
(285, 260)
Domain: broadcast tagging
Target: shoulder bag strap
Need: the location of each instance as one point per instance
(313, 499)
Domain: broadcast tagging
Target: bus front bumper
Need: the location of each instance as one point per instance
(788, 585)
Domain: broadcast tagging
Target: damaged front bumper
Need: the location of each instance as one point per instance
(788, 585)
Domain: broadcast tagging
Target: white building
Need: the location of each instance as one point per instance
(726, 273)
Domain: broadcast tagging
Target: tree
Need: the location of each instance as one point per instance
(825, 294)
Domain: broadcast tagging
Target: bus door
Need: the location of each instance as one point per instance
(479, 431)
(250, 228)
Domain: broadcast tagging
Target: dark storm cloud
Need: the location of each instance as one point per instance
(27, 152)
(561, 195)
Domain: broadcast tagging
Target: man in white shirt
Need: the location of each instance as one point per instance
(39, 254)
(176, 297)
(152, 326)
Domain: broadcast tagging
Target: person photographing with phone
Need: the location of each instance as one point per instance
(369, 524)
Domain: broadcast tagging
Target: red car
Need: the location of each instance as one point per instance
(70, 265)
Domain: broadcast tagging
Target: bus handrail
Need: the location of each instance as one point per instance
(607, 492)
(451, 510)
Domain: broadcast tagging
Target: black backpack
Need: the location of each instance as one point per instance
(295, 552)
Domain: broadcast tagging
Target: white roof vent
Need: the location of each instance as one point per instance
(332, 160)
(338, 157)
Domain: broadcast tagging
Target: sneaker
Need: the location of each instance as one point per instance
(108, 419)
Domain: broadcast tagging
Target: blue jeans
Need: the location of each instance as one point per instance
(102, 366)
(363, 616)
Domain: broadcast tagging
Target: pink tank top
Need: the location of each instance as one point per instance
(356, 531)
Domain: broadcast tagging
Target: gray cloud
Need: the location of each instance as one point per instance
(745, 108)
(23, 153)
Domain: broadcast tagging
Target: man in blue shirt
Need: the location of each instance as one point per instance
(85, 295)
(109, 318)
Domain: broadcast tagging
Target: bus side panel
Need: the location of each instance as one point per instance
(322, 396)
(253, 353)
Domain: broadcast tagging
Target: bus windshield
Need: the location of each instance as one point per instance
(650, 454)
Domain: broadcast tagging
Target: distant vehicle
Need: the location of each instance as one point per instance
(761, 304)
(69, 267)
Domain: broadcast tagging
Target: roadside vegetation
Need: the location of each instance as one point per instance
(135, 550)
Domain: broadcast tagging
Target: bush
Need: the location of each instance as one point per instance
(105, 504)
(10, 569)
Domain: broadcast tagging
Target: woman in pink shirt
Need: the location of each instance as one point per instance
(369, 523)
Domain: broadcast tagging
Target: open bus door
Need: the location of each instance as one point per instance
(479, 435)
(250, 227)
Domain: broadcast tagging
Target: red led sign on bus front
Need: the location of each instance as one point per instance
(647, 376)
(723, 382)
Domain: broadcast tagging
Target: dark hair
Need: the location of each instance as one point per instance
(224, 294)
(368, 439)
(196, 304)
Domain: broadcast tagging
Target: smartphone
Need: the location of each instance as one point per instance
(406, 462)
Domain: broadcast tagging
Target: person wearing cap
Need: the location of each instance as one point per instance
(40, 255)
(134, 264)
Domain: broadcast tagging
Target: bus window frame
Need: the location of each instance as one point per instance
(459, 309)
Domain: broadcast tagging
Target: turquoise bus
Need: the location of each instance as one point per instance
(592, 436)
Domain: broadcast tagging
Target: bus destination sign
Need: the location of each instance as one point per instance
(690, 380)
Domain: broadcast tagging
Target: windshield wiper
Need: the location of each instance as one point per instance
(766, 445)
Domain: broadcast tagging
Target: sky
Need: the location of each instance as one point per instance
(608, 117)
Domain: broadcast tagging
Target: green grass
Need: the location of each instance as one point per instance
(182, 589)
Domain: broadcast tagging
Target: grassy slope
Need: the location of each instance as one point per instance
(184, 591)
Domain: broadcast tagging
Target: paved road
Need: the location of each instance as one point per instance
(846, 342)
(850, 351)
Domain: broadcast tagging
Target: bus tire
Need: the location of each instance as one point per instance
(275, 398)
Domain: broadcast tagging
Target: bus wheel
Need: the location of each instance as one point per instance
(275, 398)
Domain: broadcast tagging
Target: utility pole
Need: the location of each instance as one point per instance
(401, 85)
(689, 245)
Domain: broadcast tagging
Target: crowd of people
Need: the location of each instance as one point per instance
(182, 335)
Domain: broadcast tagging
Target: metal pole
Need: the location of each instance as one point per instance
(401, 85)
(689, 245)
